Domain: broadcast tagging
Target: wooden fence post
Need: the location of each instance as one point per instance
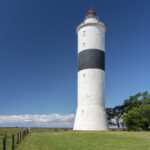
(20, 136)
(4, 142)
(27, 131)
(23, 134)
(17, 138)
(13, 142)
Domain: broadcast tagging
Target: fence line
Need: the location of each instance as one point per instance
(19, 137)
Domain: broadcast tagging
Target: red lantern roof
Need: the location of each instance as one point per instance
(91, 11)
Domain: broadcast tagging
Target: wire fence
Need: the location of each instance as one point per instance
(15, 139)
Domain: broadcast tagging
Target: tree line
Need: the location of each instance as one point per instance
(133, 114)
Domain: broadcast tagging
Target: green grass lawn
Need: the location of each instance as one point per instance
(8, 132)
(46, 139)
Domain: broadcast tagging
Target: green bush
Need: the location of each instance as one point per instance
(138, 117)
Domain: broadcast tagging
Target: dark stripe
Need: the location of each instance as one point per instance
(91, 58)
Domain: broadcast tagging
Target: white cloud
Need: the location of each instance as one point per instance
(27, 120)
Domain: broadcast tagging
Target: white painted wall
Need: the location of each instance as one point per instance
(91, 85)
(91, 113)
(90, 118)
(94, 37)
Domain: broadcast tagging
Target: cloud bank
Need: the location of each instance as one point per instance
(27, 120)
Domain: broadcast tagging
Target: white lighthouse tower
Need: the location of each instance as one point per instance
(91, 113)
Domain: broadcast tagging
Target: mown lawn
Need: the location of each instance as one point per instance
(69, 140)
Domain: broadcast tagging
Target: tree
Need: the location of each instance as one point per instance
(110, 115)
(115, 113)
(138, 117)
(118, 112)
(133, 101)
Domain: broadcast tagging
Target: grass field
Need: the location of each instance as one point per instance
(46, 139)
(8, 132)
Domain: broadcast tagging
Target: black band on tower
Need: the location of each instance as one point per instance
(91, 58)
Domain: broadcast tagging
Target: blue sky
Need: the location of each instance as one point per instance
(38, 53)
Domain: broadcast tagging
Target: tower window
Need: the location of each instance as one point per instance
(83, 44)
(83, 75)
(84, 33)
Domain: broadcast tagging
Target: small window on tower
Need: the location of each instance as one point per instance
(84, 33)
(83, 44)
(83, 75)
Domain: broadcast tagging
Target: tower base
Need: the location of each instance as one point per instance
(91, 118)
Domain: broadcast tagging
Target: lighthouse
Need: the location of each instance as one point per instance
(91, 114)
